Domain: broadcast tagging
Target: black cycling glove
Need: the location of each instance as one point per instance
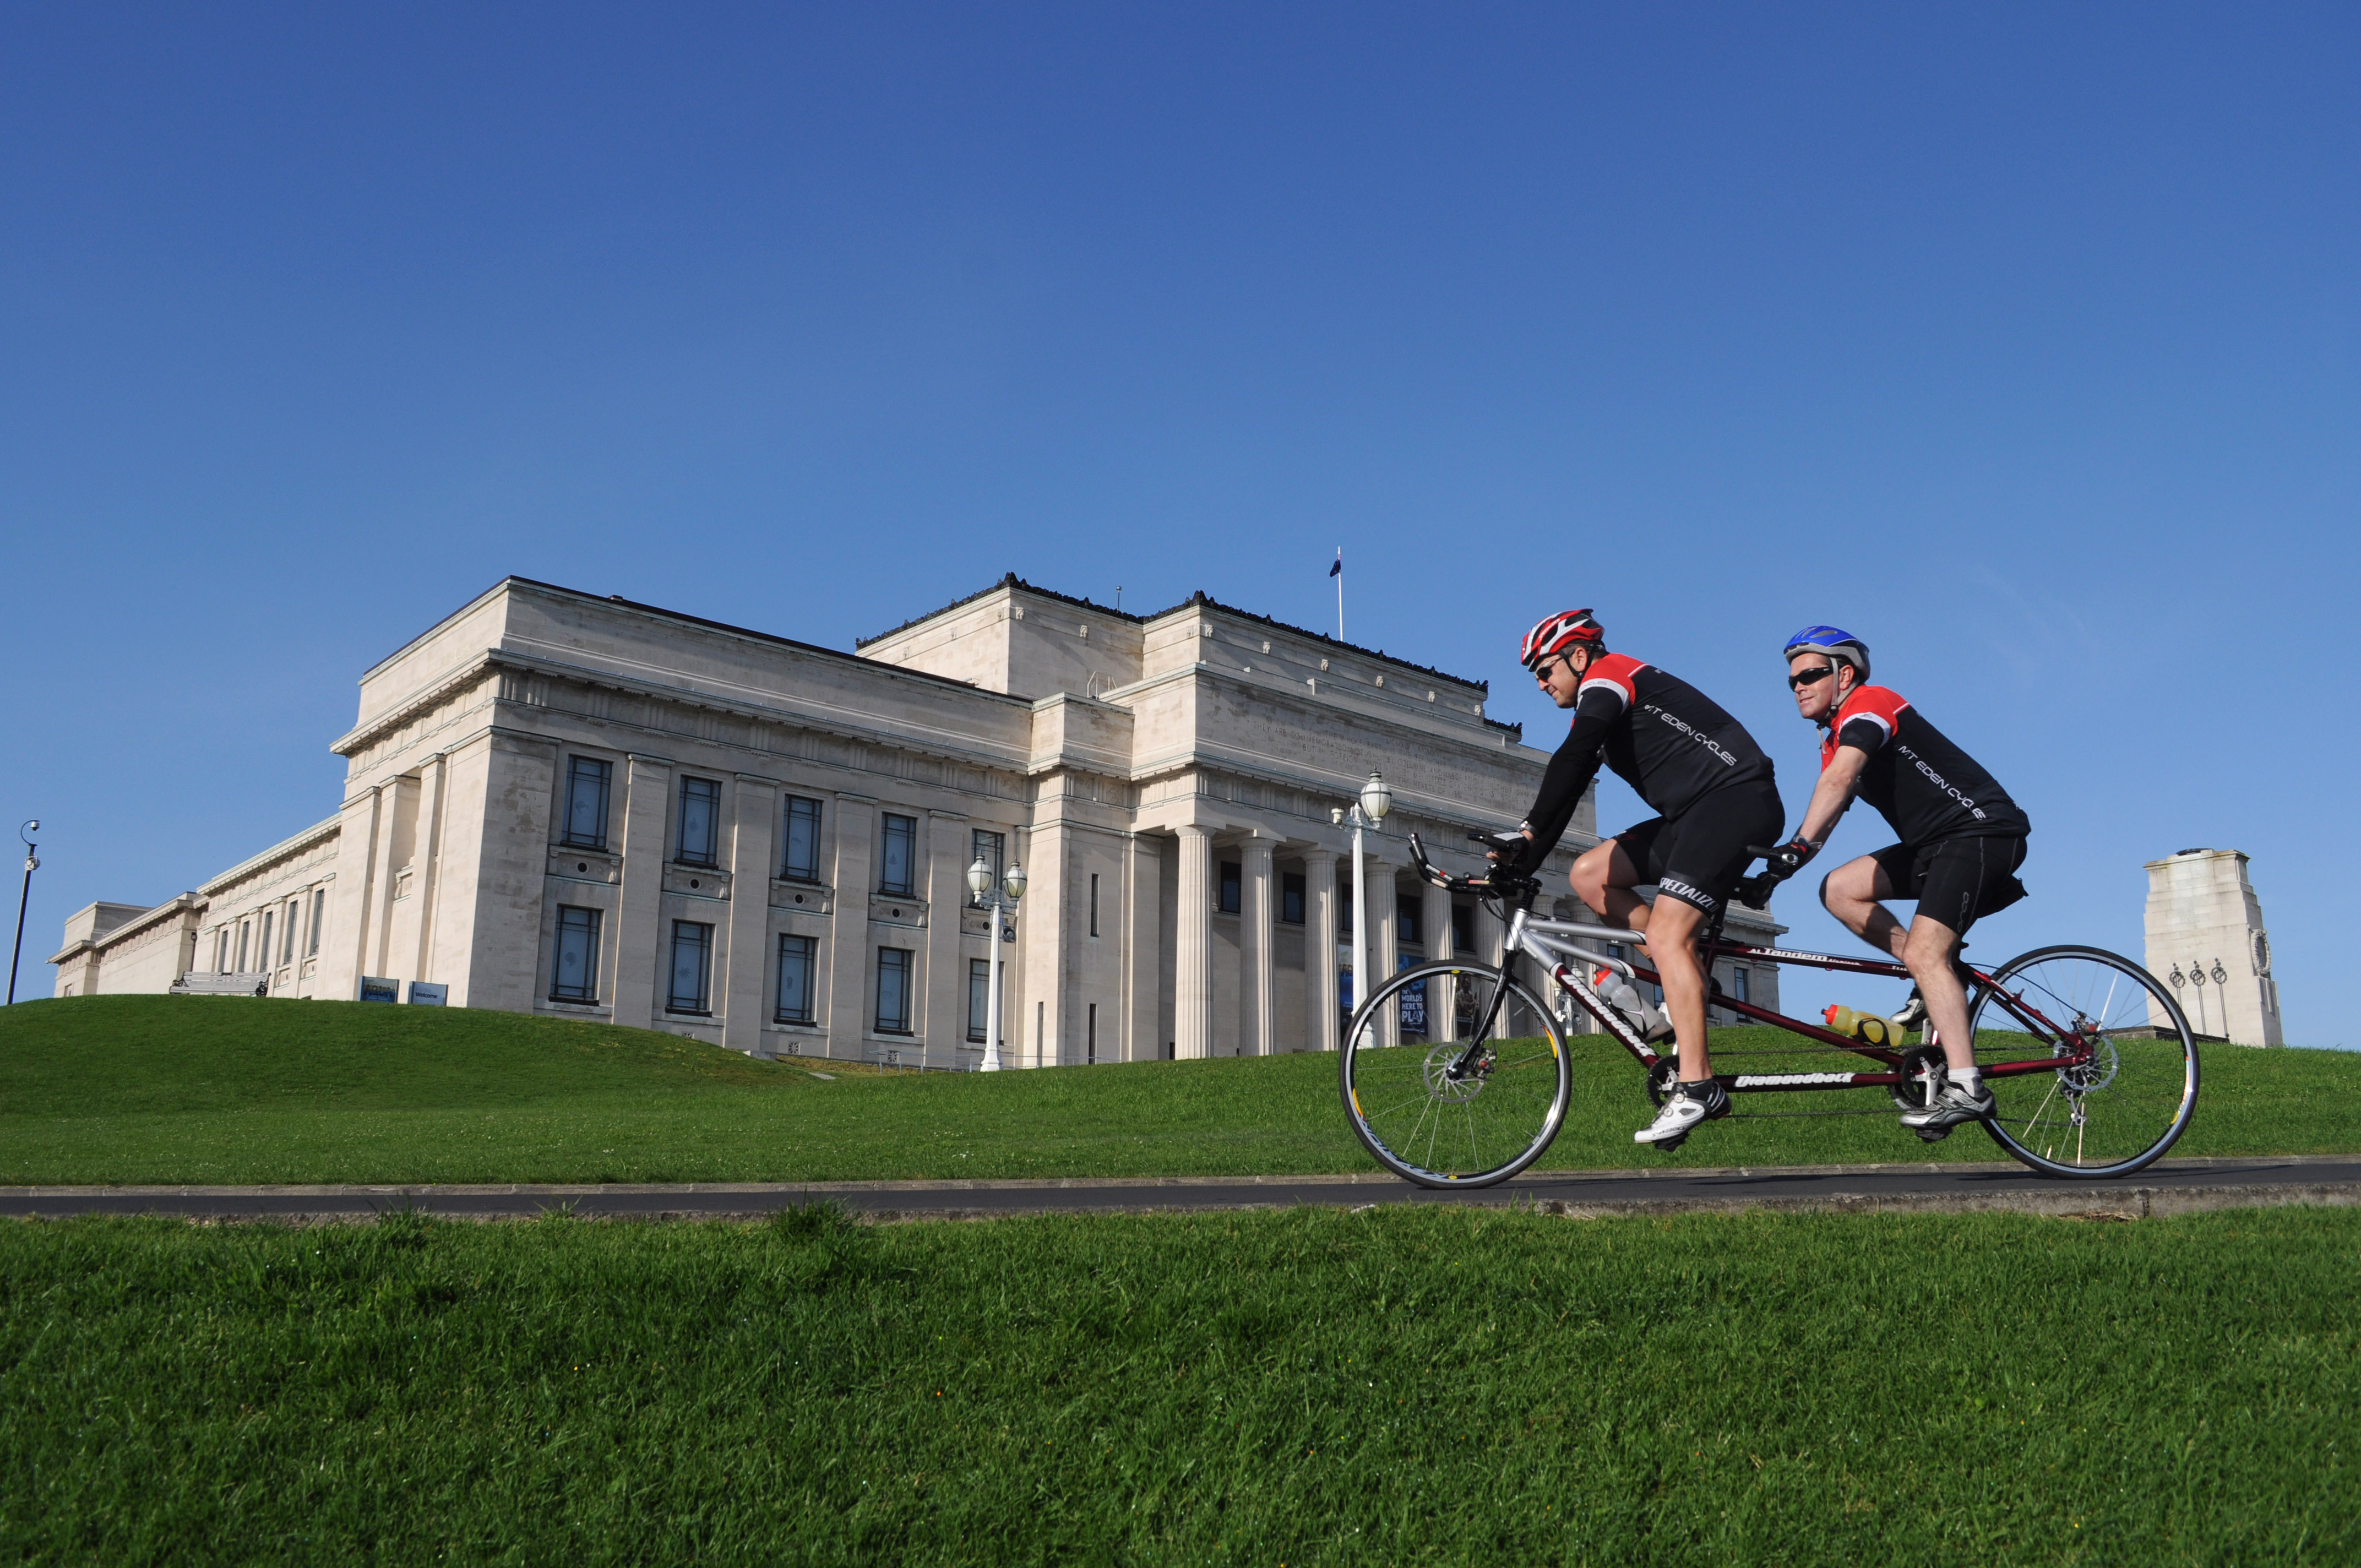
(1513, 853)
(1778, 865)
(1788, 860)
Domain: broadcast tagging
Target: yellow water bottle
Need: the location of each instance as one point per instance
(1867, 1028)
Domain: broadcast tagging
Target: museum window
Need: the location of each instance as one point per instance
(979, 998)
(801, 862)
(1407, 931)
(319, 918)
(1233, 888)
(894, 991)
(900, 859)
(796, 964)
(692, 968)
(700, 822)
(1741, 986)
(287, 942)
(1091, 1038)
(1463, 930)
(587, 780)
(577, 975)
(262, 953)
(1290, 898)
(1348, 902)
(991, 849)
(221, 950)
(1094, 904)
(245, 930)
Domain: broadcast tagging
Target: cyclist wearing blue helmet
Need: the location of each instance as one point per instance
(1962, 839)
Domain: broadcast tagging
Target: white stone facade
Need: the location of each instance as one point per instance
(2206, 940)
(584, 807)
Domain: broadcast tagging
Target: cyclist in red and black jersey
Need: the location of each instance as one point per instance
(1713, 789)
(1962, 839)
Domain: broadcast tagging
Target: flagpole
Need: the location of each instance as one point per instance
(1339, 576)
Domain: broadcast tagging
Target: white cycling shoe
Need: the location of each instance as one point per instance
(1688, 1104)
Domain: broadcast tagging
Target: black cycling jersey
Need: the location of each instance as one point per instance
(1921, 783)
(1662, 736)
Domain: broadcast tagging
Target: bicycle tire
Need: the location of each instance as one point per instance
(2138, 1092)
(1415, 1116)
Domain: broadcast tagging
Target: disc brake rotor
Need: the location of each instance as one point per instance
(2090, 1076)
(1442, 1085)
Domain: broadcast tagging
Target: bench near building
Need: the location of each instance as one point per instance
(565, 804)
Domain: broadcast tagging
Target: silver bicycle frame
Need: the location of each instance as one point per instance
(1550, 943)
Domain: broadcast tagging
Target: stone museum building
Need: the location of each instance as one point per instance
(582, 807)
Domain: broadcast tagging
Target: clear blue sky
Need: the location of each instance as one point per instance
(2021, 340)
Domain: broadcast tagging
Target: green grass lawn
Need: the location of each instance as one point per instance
(1396, 1386)
(218, 1090)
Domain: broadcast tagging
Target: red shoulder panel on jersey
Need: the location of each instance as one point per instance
(1616, 672)
(1880, 705)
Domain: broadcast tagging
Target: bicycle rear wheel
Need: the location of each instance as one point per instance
(2114, 1112)
(1446, 1112)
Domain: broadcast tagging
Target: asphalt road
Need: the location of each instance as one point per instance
(2168, 1187)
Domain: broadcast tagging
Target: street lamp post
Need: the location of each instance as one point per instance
(32, 864)
(1376, 801)
(979, 882)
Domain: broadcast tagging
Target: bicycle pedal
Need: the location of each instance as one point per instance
(1932, 1134)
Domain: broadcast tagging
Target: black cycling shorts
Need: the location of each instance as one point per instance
(1956, 880)
(1699, 856)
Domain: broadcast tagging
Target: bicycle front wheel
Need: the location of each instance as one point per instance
(1437, 1107)
(2131, 1094)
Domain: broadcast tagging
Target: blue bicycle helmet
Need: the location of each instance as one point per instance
(1837, 643)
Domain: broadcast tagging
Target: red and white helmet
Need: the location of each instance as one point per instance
(1558, 633)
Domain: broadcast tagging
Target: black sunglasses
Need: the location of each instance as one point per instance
(1807, 677)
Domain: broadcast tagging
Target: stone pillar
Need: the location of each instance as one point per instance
(942, 1025)
(754, 828)
(397, 828)
(433, 812)
(491, 875)
(1143, 943)
(2205, 931)
(1442, 996)
(1321, 1027)
(1043, 949)
(848, 999)
(1192, 1017)
(1258, 982)
(404, 945)
(1384, 944)
(636, 947)
(341, 950)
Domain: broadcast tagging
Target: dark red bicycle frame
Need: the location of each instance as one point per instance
(2077, 1051)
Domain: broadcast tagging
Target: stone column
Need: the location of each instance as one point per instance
(1384, 945)
(942, 1027)
(1043, 951)
(427, 881)
(1320, 950)
(1143, 942)
(1258, 982)
(1442, 996)
(342, 953)
(397, 830)
(404, 945)
(636, 947)
(848, 999)
(1192, 1017)
(753, 827)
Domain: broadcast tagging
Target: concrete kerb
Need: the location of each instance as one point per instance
(2172, 1187)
